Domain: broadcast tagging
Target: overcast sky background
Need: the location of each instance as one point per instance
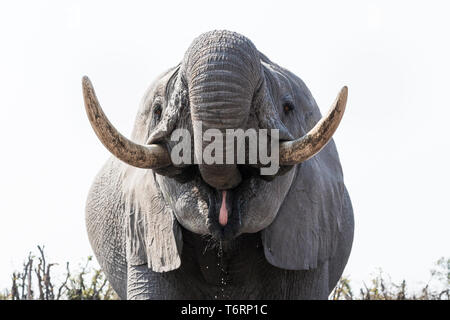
(393, 141)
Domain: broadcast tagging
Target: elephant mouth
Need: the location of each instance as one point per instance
(224, 215)
(227, 208)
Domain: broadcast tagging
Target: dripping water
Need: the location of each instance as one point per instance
(223, 275)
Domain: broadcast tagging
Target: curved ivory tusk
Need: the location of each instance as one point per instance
(301, 149)
(151, 156)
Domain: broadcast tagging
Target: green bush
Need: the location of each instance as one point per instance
(35, 283)
(382, 288)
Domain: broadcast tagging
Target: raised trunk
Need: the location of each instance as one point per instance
(223, 72)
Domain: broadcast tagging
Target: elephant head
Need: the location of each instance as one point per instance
(224, 82)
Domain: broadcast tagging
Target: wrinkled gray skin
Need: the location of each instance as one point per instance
(156, 234)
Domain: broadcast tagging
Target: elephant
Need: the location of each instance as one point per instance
(166, 230)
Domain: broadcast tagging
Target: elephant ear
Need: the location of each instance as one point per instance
(306, 228)
(153, 236)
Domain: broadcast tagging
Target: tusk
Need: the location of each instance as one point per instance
(151, 156)
(301, 149)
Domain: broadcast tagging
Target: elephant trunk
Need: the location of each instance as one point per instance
(223, 71)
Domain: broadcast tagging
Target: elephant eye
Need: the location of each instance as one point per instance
(157, 111)
(288, 107)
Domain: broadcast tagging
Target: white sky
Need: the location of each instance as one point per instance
(393, 140)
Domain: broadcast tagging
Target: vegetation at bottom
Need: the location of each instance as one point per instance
(36, 282)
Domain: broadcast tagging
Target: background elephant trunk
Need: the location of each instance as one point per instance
(223, 71)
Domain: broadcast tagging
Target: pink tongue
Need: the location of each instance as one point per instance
(223, 214)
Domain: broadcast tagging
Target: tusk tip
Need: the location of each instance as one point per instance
(86, 82)
(342, 97)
